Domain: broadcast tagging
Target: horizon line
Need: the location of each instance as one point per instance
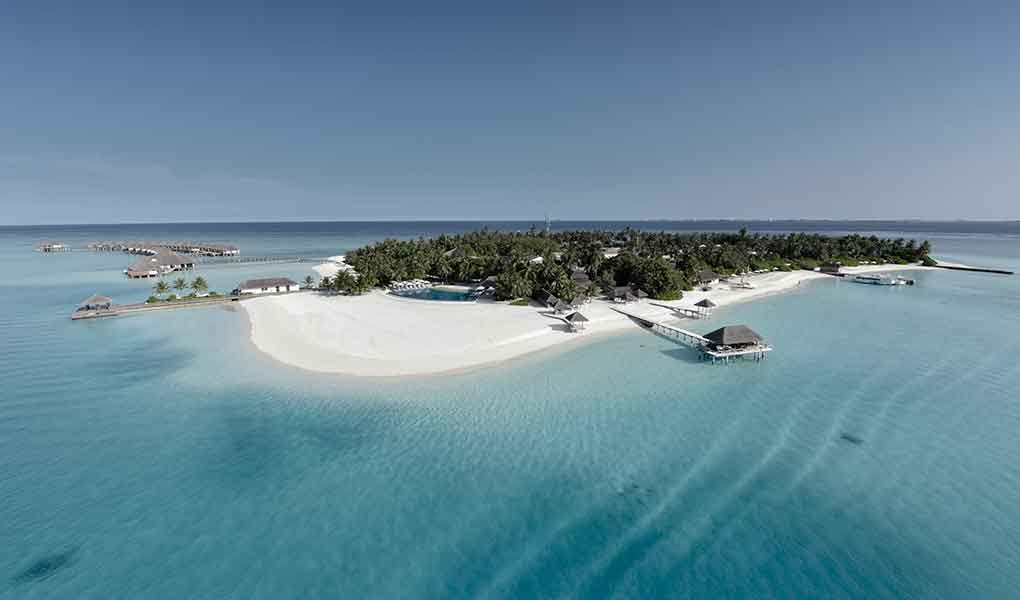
(537, 220)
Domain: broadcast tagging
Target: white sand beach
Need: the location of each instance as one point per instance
(379, 334)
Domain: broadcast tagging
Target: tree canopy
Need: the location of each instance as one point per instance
(660, 263)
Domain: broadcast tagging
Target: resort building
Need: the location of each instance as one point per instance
(706, 278)
(53, 247)
(160, 263)
(831, 268)
(272, 285)
(735, 337)
(580, 278)
(628, 294)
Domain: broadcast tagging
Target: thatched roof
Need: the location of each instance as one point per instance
(706, 303)
(640, 293)
(562, 306)
(576, 317)
(96, 300)
(734, 335)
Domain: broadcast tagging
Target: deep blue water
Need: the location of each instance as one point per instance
(161, 456)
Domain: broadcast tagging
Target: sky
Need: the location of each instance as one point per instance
(114, 112)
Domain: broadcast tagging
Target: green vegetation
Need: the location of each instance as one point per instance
(198, 286)
(520, 302)
(662, 264)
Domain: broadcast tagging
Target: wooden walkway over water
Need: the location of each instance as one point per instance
(705, 348)
(118, 310)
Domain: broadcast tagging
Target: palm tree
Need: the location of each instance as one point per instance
(199, 284)
(309, 281)
(161, 287)
(180, 284)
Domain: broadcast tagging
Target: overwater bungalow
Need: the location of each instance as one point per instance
(270, 285)
(162, 262)
(734, 341)
(576, 321)
(52, 247)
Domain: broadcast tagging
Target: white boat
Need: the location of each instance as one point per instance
(882, 279)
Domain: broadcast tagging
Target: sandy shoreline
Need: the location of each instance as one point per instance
(381, 335)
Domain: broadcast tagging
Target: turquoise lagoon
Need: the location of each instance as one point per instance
(162, 456)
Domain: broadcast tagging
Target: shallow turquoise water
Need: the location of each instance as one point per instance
(161, 456)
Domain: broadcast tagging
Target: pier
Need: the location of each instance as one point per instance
(690, 313)
(723, 344)
(98, 307)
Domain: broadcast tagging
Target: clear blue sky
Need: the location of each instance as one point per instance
(178, 111)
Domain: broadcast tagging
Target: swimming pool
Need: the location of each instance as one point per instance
(431, 293)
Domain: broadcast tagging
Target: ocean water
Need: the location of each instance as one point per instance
(873, 455)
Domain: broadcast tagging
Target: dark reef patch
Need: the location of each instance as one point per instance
(45, 566)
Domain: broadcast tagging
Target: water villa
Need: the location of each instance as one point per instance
(271, 285)
(734, 341)
(52, 247)
(161, 262)
(723, 344)
(151, 248)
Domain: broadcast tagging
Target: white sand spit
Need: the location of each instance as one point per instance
(378, 334)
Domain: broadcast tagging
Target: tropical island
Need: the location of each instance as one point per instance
(517, 283)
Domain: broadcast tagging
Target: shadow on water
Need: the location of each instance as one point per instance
(138, 362)
(46, 566)
(680, 353)
(260, 443)
(851, 438)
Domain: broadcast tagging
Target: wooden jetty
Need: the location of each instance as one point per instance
(710, 347)
(99, 307)
(690, 313)
(975, 269)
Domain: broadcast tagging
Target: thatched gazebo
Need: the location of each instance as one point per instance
(96, 302)
(705, 306)
(576, 321)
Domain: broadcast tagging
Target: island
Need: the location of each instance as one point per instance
(519, 288)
